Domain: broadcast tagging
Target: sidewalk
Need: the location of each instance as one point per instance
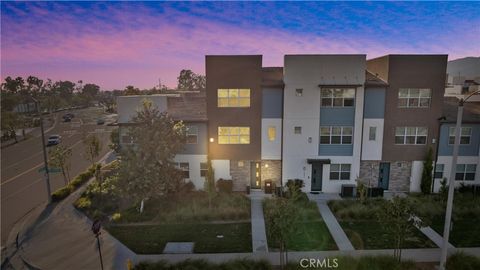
(341, 239)
(259, 235)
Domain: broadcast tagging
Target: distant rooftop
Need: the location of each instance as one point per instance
(471, 111)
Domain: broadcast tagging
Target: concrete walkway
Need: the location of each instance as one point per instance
(434, 236)
(259, 234)
(341, 239)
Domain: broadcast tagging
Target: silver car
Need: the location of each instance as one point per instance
(54, 140)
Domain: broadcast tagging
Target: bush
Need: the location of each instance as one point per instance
(188, 187)
(116, 217)
(225, 186)
(294, 185)
(83, 203)
(460, 260)
(79, 180)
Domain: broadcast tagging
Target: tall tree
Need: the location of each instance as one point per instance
(130, 91)
(147, 168)
(10, 121)
(90, 91)
(189, 81)
(59, 157)
(399, 218)
(92, 147)
(209, 185)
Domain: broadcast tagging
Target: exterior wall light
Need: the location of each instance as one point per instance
(309, 139)
(212, 139)
(266, 165)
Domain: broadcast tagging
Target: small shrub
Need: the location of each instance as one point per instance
(463, 261)
(225, 186)
(116, 217)
(80, 179)
(83, 203)
(188, 187)
(294, 185)
(61, 193)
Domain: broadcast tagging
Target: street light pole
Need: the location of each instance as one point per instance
(451, 183)
(45, 159)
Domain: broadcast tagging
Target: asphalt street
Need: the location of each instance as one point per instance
(23, 186)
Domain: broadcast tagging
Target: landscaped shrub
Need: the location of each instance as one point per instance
(83, 203)
(80, 179)
(225, 186)
(187, 187)
(294, 185)
(463, 261)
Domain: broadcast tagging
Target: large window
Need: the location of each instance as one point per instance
(439, 168)
(337, 97)
(233, 135)
(233, 97)
(185, 168)
(465, 134)
(336, 135)
(192, 135)
(465, 172)
(411, 135)
(272, 133)
(414, 97)
(340, 171)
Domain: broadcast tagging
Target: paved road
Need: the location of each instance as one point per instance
(22, 186)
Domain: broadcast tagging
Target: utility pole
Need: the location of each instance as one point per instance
(45, 159)
(451, 182)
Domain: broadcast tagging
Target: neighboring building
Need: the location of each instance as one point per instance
(187, 107)
(330, 120)
(463, 77)
(413, 105)
(468, 163)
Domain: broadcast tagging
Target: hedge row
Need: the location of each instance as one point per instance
(79, 180)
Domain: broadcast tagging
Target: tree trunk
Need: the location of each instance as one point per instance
(64, 176)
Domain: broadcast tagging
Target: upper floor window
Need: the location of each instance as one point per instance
(233, 135)
(465, 172)
(336, 135)
(337, 97)
(192, 135)
(465, 134)
(297, 130)
(414, 97)
(411, 135)
(233, 97)
(272, 133)
(340, 171)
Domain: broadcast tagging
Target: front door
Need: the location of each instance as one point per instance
(255, 175)
(384, 175)
(317, 170)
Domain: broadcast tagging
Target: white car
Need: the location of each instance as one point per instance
(54, 140)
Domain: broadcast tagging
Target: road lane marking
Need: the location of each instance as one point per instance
(22, 189)
(16, 163)
(36, 166)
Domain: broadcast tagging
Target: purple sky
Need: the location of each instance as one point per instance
(131, 43)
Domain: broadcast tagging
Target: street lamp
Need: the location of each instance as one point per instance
(451, 181)
(45, 159)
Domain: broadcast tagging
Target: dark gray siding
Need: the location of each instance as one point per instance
(374, 103)
(337, 116)
(272, 103)
(335, 150)
(444, 149)
(200, 148)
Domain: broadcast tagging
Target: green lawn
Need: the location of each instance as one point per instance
(464, 233)
(359, 223)
(369, 234)
(151, 239)
(310, 233)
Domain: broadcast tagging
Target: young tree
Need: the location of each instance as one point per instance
(209, 184)
(426, 182)
(59, 157)
(115, 140)
(281, 215)
(399, 218)
(147, 169)
(10, 121)
(92, 147)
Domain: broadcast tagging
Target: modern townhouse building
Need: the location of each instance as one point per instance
(330, 120)
(413, 106)
(244, 110)
(323, 111)
(187, 107)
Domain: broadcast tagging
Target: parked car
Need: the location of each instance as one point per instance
(67, 119)
(100, 121)
(68, 115)
(54, 140)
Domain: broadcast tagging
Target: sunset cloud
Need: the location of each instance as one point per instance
(117, 44)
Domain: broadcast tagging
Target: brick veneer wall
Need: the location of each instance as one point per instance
(368, 173)
(271, 172)
(240, 174)
(400, 176)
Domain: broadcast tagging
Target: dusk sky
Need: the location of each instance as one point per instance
(116, 44)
